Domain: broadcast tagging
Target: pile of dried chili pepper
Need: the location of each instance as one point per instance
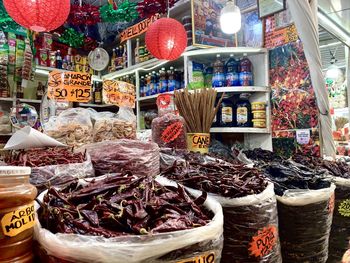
(261, 155)
(38, 157)
(221, 178)
(121, 205)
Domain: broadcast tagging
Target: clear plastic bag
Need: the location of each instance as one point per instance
(305, 218)
(72, 127)
(250, 226)
(340, 232)
(173, 247)
(55, 175)
(141, 158)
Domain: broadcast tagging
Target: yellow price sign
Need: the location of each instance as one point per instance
(69, 86)
(208, 257)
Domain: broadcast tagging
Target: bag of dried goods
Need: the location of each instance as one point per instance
(124, 218)
(52, 166)
(168, 130)
(72, 127)
(141, 158)
(5, 123)
(305, 203)
(248, 201)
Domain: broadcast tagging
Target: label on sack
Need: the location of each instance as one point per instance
(344, 208)
(18, 221)
(263, 242)
(172, 132)
(208, 257)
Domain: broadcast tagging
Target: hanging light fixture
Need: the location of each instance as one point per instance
(230, 18)
(333, 72)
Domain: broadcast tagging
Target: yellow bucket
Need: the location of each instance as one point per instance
(198, 142)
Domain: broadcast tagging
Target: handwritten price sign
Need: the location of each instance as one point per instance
(69, 86)
(119, 93)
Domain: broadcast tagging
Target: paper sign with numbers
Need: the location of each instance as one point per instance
(119, 93)
(69, 86)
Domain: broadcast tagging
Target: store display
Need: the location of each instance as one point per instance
(72, 127)
(17, 214)
(168, 129)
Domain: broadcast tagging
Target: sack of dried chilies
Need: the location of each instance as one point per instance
(248, 201)
(52, 165)
(125, 218)
(140, 158)
(305, 210)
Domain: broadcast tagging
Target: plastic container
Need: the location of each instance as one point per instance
(246, 74)
(226, 113)
(257, 105)
(259, 123)
(218, 75)
(198, 142)
(17, 214)
(259, 114)
(244, 111)
(232, 73)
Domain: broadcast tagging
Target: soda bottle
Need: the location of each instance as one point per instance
(171, 79)
(177, 75)
(246, 75)
(218, 75)
(163, 81)
(232, 73)
(142, 86)
(59, 61)
(148, 84)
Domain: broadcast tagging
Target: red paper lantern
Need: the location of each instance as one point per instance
(38, 15)
(166, 39)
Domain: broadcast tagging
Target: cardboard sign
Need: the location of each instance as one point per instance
(69, 86)
(17, 221)
(119, 93)
(263, 242)
(138, 29)
(208, 257)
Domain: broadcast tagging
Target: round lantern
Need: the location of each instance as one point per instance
(38, 15)
(166, 39)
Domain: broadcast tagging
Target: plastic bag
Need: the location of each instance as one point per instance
(340, 232)
(72, 127)
(140, 158)
(250, 226)
(194, 245)
(55, 175)
(305, 218)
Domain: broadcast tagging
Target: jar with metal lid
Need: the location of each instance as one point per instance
(17, 214)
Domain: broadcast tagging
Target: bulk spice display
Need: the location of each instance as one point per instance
(249, 206)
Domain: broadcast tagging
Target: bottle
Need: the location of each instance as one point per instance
(232, 73)
(98, 93)
(171, 79)
(137, 54)
(59, 59)
(244, 111)
(177, 75)
(163, 81)
(226, 112)
(40, 91)
(125, 57)
(113, 59)
(246, 75)
(148, 85)
(116, 61)
(142, 86)
(154, 90)
(208, 76)
(218, 75)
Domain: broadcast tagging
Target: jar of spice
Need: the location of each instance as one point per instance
(168, 130)
(17, 214)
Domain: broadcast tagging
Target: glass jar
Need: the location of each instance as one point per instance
(17, 214)
(169, 129)
(244, 111)
(226, 113)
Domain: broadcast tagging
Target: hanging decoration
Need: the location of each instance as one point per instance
(166, 39)
(125, 12)
(148, 8)
(89, 44)
(72, 38)
(6, 22)
(38, 15)
(84, 14)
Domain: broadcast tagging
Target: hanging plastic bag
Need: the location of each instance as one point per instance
(340, 232)
(305, 218)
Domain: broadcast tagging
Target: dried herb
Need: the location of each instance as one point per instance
(121, 205)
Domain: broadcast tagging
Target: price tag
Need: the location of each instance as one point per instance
(119, 93)
(69, 86)
(263, 242)
(303, 136)
(208, 257)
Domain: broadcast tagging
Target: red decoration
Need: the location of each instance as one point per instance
(84, 15)
(38, 15)
(148, 8)
(166, 39)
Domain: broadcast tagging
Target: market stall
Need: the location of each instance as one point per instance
(172, 131)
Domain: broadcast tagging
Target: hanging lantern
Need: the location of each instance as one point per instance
(166, 39)
(38, 15)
